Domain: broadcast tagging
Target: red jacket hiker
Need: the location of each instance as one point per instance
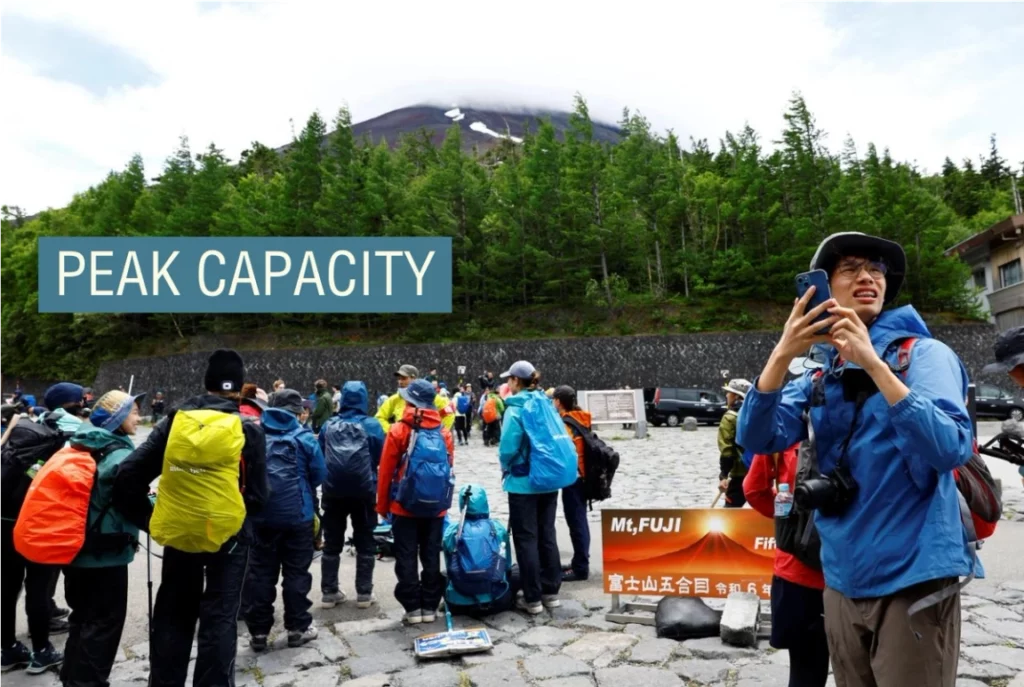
(759, 488)
(395, 445)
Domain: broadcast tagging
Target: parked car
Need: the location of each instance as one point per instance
(991, 401)
(669, 405)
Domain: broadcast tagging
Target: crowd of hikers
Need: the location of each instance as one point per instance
(251, 484)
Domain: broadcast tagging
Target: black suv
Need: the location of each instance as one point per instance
(669, 405)
(991, 401)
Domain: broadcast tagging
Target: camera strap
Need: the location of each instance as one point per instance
(862, 398)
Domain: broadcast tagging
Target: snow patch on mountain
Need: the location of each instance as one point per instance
(482, 128)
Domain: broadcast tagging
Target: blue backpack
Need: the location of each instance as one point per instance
(477, 567)
(284, 507)
(552, 460)
(347, 456)
(464, 404)
(428, 484)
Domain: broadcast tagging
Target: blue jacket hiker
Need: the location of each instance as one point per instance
(96, 582)
(902, 457)
(284, 528)
(352, 442)
(477, 558)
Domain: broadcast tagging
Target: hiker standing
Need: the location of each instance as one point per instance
(206, 540)
(463, 402)
(1009, 352)
(295, 468)
(352, 443)
(574, 498)
(492, 409)
(531, 511)
(323, 406)
(415, 486)
(890, 429)
(732, 469)
(393, 409)
(96, 582)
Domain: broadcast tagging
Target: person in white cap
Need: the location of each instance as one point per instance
(732, 469)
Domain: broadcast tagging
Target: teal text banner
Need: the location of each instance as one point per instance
(245, 275)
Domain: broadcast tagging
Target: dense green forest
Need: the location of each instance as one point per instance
(557, 235)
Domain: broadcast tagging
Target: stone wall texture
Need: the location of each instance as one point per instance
(585, 363)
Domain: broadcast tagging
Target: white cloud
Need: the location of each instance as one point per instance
(238, 74)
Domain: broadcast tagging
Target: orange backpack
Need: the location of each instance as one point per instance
(490, 413)
(52, 524)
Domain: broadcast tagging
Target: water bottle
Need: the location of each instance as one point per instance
(783, 501)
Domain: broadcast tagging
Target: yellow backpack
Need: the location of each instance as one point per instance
(199, 504)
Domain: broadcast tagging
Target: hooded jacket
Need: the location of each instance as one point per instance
(514, 448)
(395, 446)
(137, 472)
(354, 408)
(294, 483)
(393, 409)
(476, 509)
(730, 451)
(903, 526)
(113, 524)
(582, 417)
(322, 410)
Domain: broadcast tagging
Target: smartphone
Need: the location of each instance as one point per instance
(822, 292)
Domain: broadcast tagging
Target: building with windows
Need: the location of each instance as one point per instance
(995, 257)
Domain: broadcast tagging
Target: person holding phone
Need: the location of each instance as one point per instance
(889, 431)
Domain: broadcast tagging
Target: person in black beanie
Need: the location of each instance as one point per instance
(203, 587)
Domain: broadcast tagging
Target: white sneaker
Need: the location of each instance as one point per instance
(299, 638)
(428, 616)
(333, 599)
(365, 600)
(550, 600)
(413, 617)
(535, 608)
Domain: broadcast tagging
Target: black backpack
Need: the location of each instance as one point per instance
(797, 534)
(600, 461)
(28, 447)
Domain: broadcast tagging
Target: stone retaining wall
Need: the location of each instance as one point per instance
(585, 363)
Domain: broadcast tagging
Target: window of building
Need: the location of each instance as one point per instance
(1010, 273)
(979, 279)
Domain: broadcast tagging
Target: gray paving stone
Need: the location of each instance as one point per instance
(379, 643)
(969, 682)
(569, 610)
(381, 663)
(972, 635)
(547, 636)
(497, 674)
(702, 670)
(641, 631)
(636, 675)
(994, 612)
(575, 681)
(763, 675)
(140, 650)
(508, 622)
(374, 680)
(362, 627)
(740, 619)
(128, 671)
(331, 647)
(982, 671)
(598, 623)
(500, 652)
(325, 676)
(1007, 629)
(653, 650)
(287, 660)
(779, 658)
(599, 648)
(712, 647)
(1017, 681)
(1003, 655)
(430, 675)
(246, 680)
(542, 667)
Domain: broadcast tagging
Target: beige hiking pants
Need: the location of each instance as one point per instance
(872, 641)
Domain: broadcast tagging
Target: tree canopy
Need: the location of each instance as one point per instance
(557, 220)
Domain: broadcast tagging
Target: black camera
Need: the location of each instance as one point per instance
(830, 494)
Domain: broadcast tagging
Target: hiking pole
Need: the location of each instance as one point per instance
(717, 496)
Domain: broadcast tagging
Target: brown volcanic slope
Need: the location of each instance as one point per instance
(391, 126)
(719, 553)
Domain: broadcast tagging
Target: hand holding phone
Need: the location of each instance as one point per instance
(819, 280)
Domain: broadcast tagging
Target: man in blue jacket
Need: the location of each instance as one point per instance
(284, 528)
(352, 442)
(888, 441)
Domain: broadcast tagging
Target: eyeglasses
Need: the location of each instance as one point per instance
(852, 268)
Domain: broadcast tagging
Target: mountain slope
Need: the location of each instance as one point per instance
(481, 128)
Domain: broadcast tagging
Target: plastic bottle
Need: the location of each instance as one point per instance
(783, 501)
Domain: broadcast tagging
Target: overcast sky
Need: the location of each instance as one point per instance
(87, 84)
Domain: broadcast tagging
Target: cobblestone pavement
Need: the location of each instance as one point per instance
(574, 646)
